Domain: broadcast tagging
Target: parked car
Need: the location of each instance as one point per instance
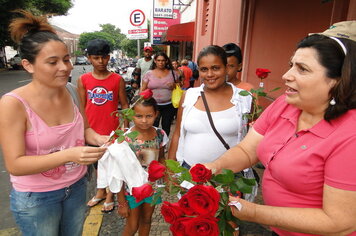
(81, 60)
(15, 62)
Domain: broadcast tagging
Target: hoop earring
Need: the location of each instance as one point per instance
(332, 102)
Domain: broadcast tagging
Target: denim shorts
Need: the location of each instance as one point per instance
(58, 212)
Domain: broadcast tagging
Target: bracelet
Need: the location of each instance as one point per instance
(123, 204)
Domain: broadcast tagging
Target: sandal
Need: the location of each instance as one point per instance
(94, 201)
(108, 207)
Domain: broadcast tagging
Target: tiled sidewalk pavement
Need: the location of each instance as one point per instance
(113, 224)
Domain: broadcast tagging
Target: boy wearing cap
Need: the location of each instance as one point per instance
(144, 64)
(100, 93)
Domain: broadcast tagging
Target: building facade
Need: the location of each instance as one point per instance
(266, 31)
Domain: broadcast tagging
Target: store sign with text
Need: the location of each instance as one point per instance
(160, 25)
(163, 8)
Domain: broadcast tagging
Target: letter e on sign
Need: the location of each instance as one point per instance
(137, 17)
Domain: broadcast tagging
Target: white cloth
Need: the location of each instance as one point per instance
(242, 105)
(119, 164)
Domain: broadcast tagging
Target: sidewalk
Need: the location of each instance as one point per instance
(111, 224)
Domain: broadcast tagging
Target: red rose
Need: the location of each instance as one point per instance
(142, 192)
(202, 225)
(178, 228)
(200, 173)
(184, 204)
(262, 73)
(155, 171)
(203, 199)
(171, 212)
(146, 94)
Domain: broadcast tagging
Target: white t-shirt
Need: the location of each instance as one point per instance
(201, 143)
(144, 66)
(241, 105)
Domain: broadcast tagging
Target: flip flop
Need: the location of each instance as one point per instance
(95, 201)
(106, 205)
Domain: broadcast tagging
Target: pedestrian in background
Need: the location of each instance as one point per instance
(42, 136)
(160, 79)
(194, 67)
(177, 68)
(101, 92)
(234, 66)
(188, 73)
(144, 64)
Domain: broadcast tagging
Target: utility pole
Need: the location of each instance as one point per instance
(138, 49)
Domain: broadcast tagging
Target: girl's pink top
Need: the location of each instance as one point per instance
(42, 140)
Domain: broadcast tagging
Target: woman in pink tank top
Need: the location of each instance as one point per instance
(42, 136)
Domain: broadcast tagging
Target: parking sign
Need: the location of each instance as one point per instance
(138, 25)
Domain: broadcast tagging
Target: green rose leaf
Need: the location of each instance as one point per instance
(120, 139)
(243, 187)
(226, 177)
(133, 134)
(251, 182)
(158, 193)
(119, 132)
(275, 89)
(244, 93)
(185, 175)
(174, 166)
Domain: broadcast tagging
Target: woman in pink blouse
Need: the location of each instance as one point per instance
(160, 79)
(306, 140)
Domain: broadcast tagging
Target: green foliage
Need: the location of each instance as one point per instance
(174, 166)
(256, 109)
(129, 47)
(37, 7)
(86, 37)
(226, 177)
(78, 53)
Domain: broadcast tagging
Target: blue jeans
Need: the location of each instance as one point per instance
(58, 212)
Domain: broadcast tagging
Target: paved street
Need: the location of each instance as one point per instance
(106, 224)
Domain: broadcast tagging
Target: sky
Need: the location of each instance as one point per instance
(86, 15)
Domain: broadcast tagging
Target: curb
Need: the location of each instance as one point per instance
(93, 221)
(10, 232)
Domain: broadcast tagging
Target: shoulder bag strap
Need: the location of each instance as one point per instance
(212, 123)
(174, 77)
(73, 92)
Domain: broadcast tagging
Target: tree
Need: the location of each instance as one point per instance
(84, 38)
(114, 32)
(37, 7)
(129, 47)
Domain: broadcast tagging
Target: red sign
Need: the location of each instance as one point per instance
(160, 25)
(137, 31)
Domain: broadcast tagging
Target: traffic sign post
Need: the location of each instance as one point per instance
(138, 25)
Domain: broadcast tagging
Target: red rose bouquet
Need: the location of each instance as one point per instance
(202, 208)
